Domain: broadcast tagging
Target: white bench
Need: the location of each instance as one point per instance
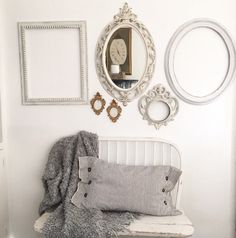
(144, 151)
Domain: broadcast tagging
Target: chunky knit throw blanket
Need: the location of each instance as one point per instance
(60, 181)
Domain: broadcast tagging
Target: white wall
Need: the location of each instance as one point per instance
(3, 177)
(3, 197)
(203, 133)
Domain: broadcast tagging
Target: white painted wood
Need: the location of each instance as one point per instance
(153, 226)
(148, 226)
(170, 57)
(80, 97)
(125, 18)
(144, 151)
(3, 197)
(38, 225)
(158, 94)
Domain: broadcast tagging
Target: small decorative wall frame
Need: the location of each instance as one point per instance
(120, 84)
(53, 60)
(114, 111)
(158, 107)
(98, 103)
(176, 83)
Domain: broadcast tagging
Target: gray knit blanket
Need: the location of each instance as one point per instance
(60, 181)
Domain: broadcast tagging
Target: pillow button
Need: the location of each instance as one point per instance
(89, 169)
(163, 190)
(165, 202)
(85, 195)
(89, 182)
(167, 178)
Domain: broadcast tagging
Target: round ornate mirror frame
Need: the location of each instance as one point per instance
(125, 18)
(158, 93)
(170, 57)
(148, 108)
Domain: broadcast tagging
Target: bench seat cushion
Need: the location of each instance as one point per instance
(147, 226)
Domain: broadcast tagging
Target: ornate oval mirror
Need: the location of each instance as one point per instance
(97, 103)
(200, 61)
(114, 111)
(125, 57)
(158, 107)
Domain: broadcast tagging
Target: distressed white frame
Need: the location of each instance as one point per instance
(125, 18)
(83, 95)
(170, 57)
(158, 93)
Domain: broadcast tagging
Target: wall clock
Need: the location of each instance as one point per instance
(118, 51)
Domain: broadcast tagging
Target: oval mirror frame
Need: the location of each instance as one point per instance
(97, 99)
(170, 57)
(114, 107)
(159, 94)
(125, 18)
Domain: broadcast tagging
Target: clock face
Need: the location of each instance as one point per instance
(118, 51)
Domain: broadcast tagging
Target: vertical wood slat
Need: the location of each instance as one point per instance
(154, 152)
(144, 152)
(116, 151)
(126, 153)
(162, 153)
(118, 154)
(135, 153)
(108, 150)
(167, 154)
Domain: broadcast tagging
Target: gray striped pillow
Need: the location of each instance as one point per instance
(115, 187)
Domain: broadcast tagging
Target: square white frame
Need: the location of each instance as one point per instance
(81, 27)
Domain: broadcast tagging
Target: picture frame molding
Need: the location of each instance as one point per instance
(81, 26)
(173, 44)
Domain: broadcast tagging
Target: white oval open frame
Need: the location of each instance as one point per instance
(170, 58)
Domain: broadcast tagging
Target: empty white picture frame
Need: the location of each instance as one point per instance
(53, 60)
(221, 61)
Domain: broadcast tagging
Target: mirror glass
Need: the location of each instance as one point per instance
(201, 61)
(126, 57)
(97, 104)
(114, 112)
(158, 110)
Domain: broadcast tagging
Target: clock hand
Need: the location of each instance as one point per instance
(118, 52)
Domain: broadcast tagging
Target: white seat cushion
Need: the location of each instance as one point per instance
(38, 225)
(147, 226)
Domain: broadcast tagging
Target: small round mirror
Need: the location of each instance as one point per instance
(158, 110)
(158, 107)
(126, 57)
